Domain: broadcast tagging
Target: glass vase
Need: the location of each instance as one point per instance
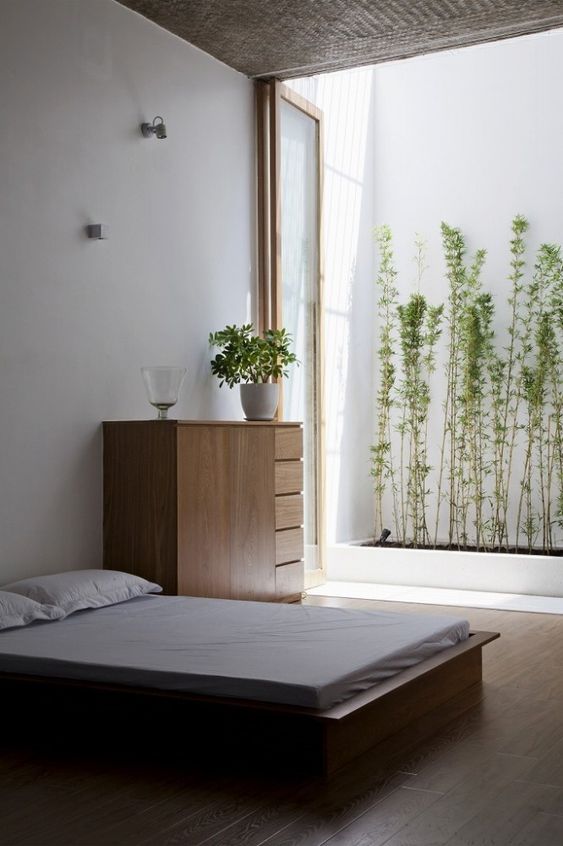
(162, 385)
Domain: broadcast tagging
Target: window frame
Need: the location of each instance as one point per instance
(269, 94)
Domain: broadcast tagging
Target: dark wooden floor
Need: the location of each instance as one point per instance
(493, 776)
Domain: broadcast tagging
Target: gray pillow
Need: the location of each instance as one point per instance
(79, 589)
(18, 610)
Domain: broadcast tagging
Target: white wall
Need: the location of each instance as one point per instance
(78, 318)
(472, 137)
(469, 136)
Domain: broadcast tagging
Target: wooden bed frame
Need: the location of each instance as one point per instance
(322, 741)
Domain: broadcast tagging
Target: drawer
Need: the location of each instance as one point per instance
(288, 443)
(289, 511)
(289, 545)
(289, 580)
(288, 477)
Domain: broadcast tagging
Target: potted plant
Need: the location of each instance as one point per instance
(253, 361)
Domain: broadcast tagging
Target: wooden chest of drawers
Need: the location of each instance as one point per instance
(206, 508)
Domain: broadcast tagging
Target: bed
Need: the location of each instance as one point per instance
(328, 682)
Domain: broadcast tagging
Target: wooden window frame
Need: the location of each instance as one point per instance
(269, 95)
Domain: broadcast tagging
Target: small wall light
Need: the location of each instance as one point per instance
(97, 231)
(157, 127)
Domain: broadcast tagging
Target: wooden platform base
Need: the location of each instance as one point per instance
(280, 736)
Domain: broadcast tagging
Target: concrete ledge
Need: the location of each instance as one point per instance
(537, 575)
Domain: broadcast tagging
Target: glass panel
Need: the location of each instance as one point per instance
(300, 294)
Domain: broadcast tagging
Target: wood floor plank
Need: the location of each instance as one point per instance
(377, 825)
(543, 730)
(69, 819)
(508, 813)
(450, 766)
(439, 824)
(528, 728)
(541, 830)
(313, 800)
(260, 826)
(333, 811)
(209, 823)
(120, 825)
(549, 769)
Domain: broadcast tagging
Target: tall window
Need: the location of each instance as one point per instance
(290, 144)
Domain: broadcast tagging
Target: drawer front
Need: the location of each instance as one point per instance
(289, 580)
(288, 444)
(289, 511)
(289, 545)
(288, 477)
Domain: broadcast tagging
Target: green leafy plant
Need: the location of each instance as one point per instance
(460, 282)
(555, 374)
(476, 344)
(382, 468)
(408, 335)
(541, 391)
(246, 357)
(419, 326)
(506, 377)
(433, 331)
(500, 468)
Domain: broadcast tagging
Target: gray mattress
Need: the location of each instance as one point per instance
(288, 654)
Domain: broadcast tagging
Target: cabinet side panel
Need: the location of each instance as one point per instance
(140, 500)
(253, 551)
(204, 505)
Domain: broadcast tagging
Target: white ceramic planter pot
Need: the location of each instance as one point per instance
(260, 401)
(539, 575)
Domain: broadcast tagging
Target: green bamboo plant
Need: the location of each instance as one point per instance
(502, 407)
(419, 330)
(468, 447)
(556, 385)
(543, 395)
(506, 377)
(476, 343)
(381, 454)
(413, 395)
(546, 345)
(539, 350)
(433, 331)
(451, 450)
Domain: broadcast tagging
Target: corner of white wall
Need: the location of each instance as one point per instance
(78, 318)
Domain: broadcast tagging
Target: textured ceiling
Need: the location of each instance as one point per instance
(288, 38)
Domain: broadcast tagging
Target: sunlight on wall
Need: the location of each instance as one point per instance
(345, 99)
(471, 137)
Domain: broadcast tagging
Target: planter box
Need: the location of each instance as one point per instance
(539, 575)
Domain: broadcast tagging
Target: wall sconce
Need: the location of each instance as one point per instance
(157, 127)
(97, 231)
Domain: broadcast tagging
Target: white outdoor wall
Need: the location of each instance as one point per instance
(78, 318)
(469, 136)
(472, 137)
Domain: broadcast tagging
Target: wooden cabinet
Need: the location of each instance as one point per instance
(206, 508)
